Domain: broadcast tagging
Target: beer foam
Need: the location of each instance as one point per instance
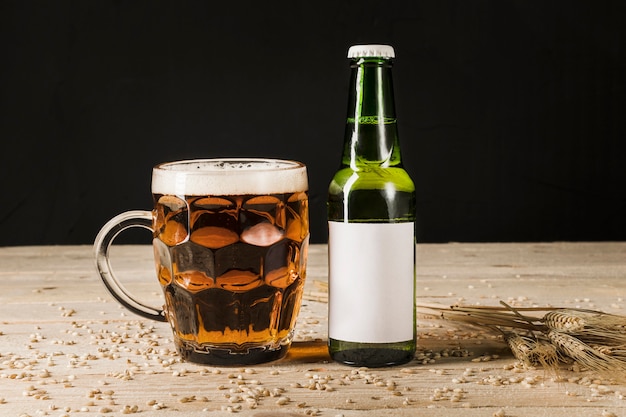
(229, 177)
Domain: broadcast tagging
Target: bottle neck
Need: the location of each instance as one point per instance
(371, 135)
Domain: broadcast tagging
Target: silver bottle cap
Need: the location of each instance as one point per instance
(378, 51)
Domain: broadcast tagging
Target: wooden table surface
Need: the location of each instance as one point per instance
(67, 348)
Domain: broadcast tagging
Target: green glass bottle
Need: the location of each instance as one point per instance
(371, 225)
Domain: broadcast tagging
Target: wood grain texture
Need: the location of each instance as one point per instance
(67, 348)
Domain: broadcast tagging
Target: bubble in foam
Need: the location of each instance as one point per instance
(229, 177)
(245, 165)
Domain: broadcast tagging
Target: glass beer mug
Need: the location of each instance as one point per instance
(230, 239)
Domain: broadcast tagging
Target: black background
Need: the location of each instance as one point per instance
(511, 112)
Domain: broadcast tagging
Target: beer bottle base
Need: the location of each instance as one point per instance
(371, 355)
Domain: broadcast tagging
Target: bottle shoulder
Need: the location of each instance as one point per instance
(371, 178)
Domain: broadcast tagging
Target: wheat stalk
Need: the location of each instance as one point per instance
(593, 339)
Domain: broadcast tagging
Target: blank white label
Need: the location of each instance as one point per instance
(371, 282)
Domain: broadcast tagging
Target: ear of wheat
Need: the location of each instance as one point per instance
(593, 326)
(593, 339)
(586, 355)
(532, 351)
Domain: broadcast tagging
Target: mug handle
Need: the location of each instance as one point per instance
(102, 244)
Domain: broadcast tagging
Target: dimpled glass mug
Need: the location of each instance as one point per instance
(230, 239)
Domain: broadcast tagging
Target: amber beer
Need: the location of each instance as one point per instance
(230, 242)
